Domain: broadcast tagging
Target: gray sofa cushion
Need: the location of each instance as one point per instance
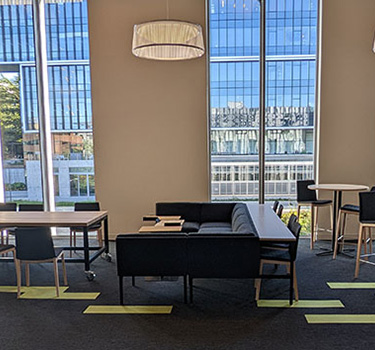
(190, 226)
(216, 224)
(216, 230)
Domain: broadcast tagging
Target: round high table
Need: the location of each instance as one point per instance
(337, 190)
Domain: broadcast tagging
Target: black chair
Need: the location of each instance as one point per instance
(275, 205)
(5, 232)
(35, 245)
(345, 210)
(282, 257)
(280, 211)
(366, 221)
(95, 206)
(31, 207)
(307, 197)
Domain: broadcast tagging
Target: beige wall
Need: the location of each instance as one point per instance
(150, 120)
(150, 117)
(347, 121)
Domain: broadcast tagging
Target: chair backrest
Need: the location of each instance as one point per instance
(275, 205)
(34, 243)
(30, 207)
(367, 207)
(95, 206)
(8, 206)
(280, 210)
(303, 193)
(295, 229)
(291, 221)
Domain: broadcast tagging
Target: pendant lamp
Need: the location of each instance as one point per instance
(168, 40)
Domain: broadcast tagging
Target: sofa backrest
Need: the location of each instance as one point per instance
(241, 220)
(161, 254)
(223, 255)
(197, 211)
(188, 211)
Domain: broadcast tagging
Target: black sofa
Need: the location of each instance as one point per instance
(219, 240)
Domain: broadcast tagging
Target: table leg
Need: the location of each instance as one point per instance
(106, 239)
(337, 197)
(86, 251)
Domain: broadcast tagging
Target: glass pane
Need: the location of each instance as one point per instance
(18, 105)
(234, 93)
(234, 97)
(70, 101)
(290, 95)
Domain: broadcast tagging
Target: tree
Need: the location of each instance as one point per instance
(10, 117)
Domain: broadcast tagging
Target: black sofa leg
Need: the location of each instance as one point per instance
(121, 290)
(133, 281)
(291, 284)
(191, 289)
(185, 289)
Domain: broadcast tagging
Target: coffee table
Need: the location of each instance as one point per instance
(164, 226)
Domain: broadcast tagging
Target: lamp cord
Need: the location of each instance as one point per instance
(168, 9)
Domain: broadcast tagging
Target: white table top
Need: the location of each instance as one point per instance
(268, 224)
(43, 218)
(338, 187)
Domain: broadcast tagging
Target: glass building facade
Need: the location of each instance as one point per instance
(69, 99)
(291, 32)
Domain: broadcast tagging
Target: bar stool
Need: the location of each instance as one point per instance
(366, 221)
(306, 197)
(347, 209)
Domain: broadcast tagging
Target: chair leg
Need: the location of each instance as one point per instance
(71, 243)
(359, 248)
(338, 227)
(133, 281)
(291, 283)
(64, 269)
(298, 211)
(295, 283)
(18, 274)
(331, 215)
(258, 282)
(370, 239)
(312, 224)
(56, 271)
(27, 274)
(100, 237)
(316, 228)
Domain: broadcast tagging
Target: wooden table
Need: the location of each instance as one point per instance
(268, 225)
(337, 190)
(65, 219)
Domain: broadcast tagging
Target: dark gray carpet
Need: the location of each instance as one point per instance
(224, 314)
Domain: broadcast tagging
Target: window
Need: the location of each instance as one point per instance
(67, 48)
(234, 96)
